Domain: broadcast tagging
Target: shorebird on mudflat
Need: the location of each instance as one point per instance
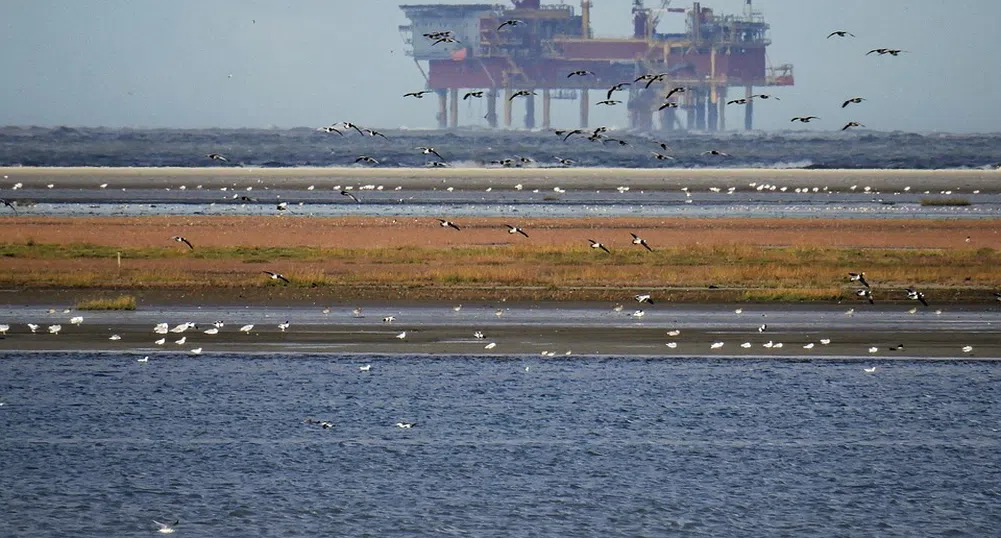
(180, 239)
(515, 230)
(858, 277)
(247, 328)
(34, 327)
(637, 240)
(277, 276)
(448, 224)
(916, 295)
(595, 244)
(282, 206)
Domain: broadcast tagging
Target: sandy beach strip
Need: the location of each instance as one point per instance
(958, 181)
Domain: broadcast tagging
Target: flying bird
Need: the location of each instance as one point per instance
(637, 240)
(478, 93)
(277, 276)
(521, 93)
(217, 157)
(916, 295)
(366, 159)
(373, 132)
(510, 22)
(426, 150)
(615, 88)
(865, 294)
(580, 73)
(9, 204)
(667, 105)
(855, 100)
(679, 89)
(765, 96)
(595, 244)
(851, 124)
(180, 239)
(448, 224)
(839, 33)
(419, 95)
(609, 102)
(330, 129)
(515, 230)
(715, 152)
(351, 196)
(741, 101)
(643, 298)
(858, 277)
(804, 119)
(661, 156)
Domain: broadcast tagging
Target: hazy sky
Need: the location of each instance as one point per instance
(157, 63)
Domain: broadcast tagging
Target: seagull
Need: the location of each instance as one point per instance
(367, 159)
(825, 341)
(864, 293)
(491, 345)
(643, 298)
(402, 335)
(873, 349)
(872, 369)
(476, 94)
(166, 528)
(196, 351)
(277, 276)
(615, 88)
(181, 341)
(405, 425)
(916, 295)
(967, 349)
(216, 157)
(144, 359)
(418, 95)
(851, 124)
(112, 337)
(745, 345)
(510, 22)
(595, 244)
(389, 319)
(515, 230)
(365, 368)
(429, 151)
(839, 33)
(33, 327)
(609, 102)
(9, 204)
(855, 100)
(672, 345)
(858, 277)
(521, 93)
(637, 240)
(180, 239)
(76, 320)
(808, 346)
(716, 345)
(580, 73)
(161, 341)
(213, 330)
(457, 307)
(448, 224)
(805, 119)
(247, 328)
(674, 332)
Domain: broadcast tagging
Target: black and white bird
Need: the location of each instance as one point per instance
(448, 224)
(643, 298)
(668, 105)
(608, 102)
(615, 88)
(180, 239)
(349, 125)
(851, 100)
(405, 425)
(637, 240)
(580, 73)
(882, 51)
(277, 276)
(9, 204)
(679, 89)
(858, 277)
(418, 95)
(351, 196)
(916, 295)
(427, 150)
(366, 159)
(510, 22)
(521, 93)
(217, 157)
(477, 94)
(595, 244)
(565, 162)
(865, 293)
(715, 152)
(764, 96)
(839, 33)
(997, 295)
(329, 129)
(515, 230)
(805, 119)
(661, 156)
(282, 206)
(851, 124)
(373, 132)
(741, 101)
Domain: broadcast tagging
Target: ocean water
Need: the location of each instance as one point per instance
(100, 445)
(66, 146)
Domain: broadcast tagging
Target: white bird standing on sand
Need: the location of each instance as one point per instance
(402, 335)
(76, 320)
(196, 351)
(247, 328)
(967, 349)
(112, 337)
(491, 345)
(181, 341)
(161, 342)
(33, 327)
(4, 328)
(716, 345)
(211, 331)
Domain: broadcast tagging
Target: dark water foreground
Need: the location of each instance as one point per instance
(99, 445)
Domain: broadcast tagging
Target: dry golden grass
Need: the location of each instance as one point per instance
(122, 302)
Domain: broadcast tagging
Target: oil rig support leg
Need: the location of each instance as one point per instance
(713, 110)
(721, 104)
(545, 109)
(700, 110)
(442, 108)
(507, 107)
(667, 119)
(530, 112)
(492, 108)
(584, 108)
(748, 109)
(453, 112)
(690, 110)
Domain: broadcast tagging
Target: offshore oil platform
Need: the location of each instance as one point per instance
(548, 42)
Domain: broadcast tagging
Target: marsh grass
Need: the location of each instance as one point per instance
(746, 272)
(945, 201)
(122, 302)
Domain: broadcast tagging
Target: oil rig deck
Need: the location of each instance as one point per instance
(715, 53)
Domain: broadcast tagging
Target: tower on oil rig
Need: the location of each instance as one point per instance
(713, 54)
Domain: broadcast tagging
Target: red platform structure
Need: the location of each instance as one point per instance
(715, 53)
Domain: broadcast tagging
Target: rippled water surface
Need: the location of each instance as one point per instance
(100, 445)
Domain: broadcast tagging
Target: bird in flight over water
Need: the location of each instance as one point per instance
(216, 157)
(855, 100)
(839, 33)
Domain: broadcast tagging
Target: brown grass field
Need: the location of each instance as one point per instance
(359, 258)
